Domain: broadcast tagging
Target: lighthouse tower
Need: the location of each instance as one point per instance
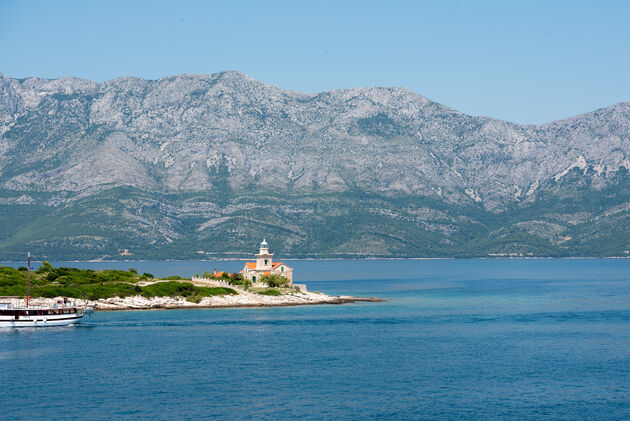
(264, 258)
(264, 266)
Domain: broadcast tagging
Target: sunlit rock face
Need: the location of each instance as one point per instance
(192, 158)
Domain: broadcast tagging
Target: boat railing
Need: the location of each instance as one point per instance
(21, 303)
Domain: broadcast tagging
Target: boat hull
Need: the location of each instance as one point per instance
(40, 321)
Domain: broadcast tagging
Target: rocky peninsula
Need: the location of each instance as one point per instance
(110, 290)
(242, 299)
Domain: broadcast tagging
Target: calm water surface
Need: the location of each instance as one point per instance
(513, 339)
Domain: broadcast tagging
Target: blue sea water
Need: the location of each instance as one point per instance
(456, 339)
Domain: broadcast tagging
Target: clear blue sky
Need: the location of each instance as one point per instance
(528, 61)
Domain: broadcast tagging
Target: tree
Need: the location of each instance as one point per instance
(236, 279)
(275, 281)
(133, 270)
(45, 267)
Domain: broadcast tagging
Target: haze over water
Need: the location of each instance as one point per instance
(455, 339)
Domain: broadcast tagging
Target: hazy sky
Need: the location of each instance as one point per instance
(529, 61)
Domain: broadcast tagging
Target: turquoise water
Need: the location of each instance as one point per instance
(513, 339)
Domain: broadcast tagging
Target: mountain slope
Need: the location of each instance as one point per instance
(210, 163)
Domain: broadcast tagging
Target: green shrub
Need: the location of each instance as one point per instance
(45, 267)
(235, 279)
(93, 292)
(183, 289)
(270, 291)
(168, 289)
(51, 276)
(194, 298)
(212, 291)
(275, 281)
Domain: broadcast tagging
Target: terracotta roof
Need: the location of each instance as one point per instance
(221, 274)
(252, 265)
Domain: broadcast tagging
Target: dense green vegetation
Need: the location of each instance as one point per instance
(569, 217)
(231, 278)
(275, 281)
(86, 283)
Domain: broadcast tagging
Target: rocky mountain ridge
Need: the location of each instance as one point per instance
(186, 160)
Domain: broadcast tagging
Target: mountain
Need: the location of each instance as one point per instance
(197, 166)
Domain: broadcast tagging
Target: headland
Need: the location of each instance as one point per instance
(242, 299)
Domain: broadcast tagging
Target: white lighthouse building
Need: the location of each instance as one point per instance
(265, 265)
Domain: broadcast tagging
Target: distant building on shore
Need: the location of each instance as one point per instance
(264, 265)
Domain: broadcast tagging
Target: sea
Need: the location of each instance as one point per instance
(455, 339)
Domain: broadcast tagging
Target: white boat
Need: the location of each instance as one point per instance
(63, 313)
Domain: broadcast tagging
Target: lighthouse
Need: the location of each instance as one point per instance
(264, 258)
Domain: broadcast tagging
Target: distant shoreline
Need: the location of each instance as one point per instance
(230, 259)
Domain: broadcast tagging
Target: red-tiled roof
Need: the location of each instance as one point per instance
(221, 274)
(252, 265)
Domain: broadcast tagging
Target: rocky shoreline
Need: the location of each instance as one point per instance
(243, 299)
